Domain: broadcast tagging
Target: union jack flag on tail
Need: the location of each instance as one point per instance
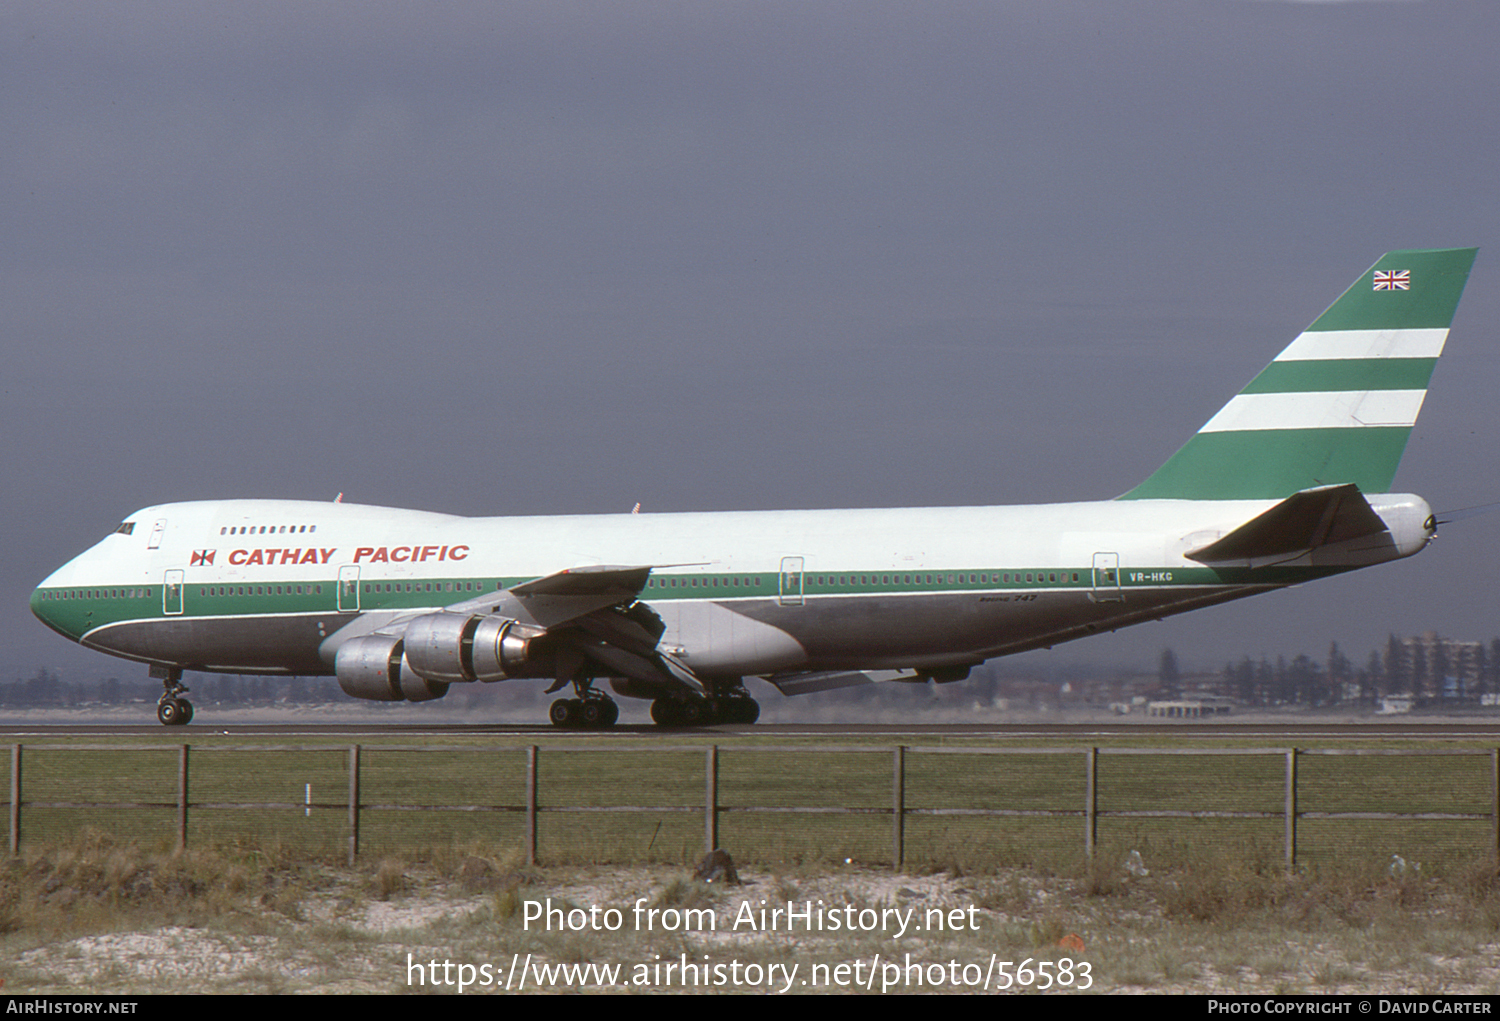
(1393, 280)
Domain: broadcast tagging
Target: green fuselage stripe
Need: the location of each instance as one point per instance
(78, 611)
(1343, 374)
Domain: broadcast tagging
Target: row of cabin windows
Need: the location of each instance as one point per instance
(706, 582)
(847, 580)
(434, 586)
(99, 593)
(1005, 578)
(262, 590)
(266, 529)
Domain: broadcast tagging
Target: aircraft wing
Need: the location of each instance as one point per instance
(591, 610)
(594, 614)
(567, 595)
(562, 597)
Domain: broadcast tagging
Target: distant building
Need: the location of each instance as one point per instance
(1393, 705)
(1442, 667)
(1191, 705)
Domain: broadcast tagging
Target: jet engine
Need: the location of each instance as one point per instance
(447, 647)
(373, 667)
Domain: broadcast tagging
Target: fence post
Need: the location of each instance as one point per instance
(711, 800)
(1290, 808)
(1495, 802)
(531, 805)
(353, 802)
(1091, 804)
(15, 800)
(182, 798)
(898, 808)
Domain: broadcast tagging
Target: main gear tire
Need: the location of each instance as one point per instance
(597, 713)
(563, 713)
(664, 713)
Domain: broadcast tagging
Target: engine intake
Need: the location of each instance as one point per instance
(374, 667)
(449, 647)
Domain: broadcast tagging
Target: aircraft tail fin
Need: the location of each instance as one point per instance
(1338, 404)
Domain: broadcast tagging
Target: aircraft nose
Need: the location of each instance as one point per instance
(39, 605)
(48, 606)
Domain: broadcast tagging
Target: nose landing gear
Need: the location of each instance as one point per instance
(172, 710)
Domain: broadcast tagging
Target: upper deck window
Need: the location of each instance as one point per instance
(126, 527)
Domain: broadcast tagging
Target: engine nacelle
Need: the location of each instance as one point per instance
(373, 667)
(448, 647)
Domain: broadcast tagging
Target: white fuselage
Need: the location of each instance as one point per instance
(275, 586)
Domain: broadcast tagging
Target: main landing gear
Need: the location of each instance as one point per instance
(592, 712)
(705, 712)
(172, 709)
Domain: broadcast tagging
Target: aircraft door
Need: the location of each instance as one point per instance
(171, 593)
(789, 582)
(1107, 578)
(156, 533)
(349, 588)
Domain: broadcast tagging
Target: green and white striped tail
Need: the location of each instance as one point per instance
(1338, 404)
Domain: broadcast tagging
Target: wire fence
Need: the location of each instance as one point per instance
(902, 805)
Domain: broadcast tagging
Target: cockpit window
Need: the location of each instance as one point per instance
(126, 527)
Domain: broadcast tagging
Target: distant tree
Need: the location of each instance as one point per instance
(43, 689)
(1247, 688)
(1338, 672)
(1304, 681)
(1281, 689)
(1168, 674)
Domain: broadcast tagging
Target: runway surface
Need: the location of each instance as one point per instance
(1281, 733)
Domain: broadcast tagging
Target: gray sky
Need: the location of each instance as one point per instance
(558, 258)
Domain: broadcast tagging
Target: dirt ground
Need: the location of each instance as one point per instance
(478, 926)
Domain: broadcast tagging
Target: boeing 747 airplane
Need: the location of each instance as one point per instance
(1287, 483)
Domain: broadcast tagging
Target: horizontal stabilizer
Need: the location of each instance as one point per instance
(807, 683)
(1301, 522)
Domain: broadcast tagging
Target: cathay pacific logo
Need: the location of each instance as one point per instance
(202, 558)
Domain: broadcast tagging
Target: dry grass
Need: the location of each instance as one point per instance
(101, 915)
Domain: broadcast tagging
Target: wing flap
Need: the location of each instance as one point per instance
(828, 680)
